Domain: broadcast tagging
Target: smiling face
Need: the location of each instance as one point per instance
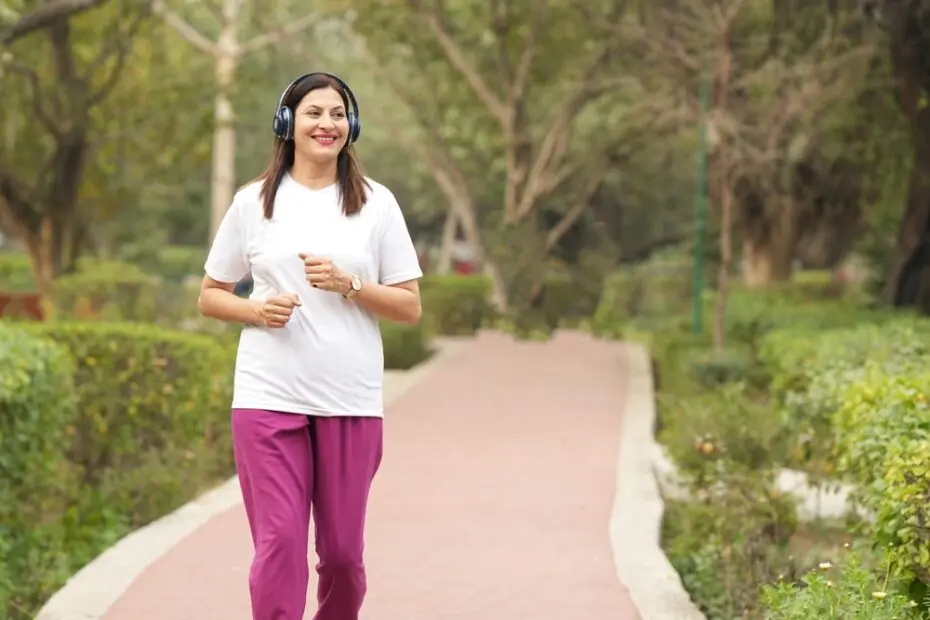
(321, 125)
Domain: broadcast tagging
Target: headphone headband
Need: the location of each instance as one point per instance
(354, 117)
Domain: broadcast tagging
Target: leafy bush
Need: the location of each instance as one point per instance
(850, 591)
(654, 290)
(36, 407)
(149, 431)
(456, 305)
(16, 273)
(405, 346)
(810, 381)
(730, 541)
(109, 291)
(860, 395)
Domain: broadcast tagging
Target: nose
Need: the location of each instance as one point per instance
(326, 122)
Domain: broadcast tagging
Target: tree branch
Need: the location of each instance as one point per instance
(183, 28)
(44, 16)
(555, 141)
(118, 45)
(274, 36)
(581, 205)
(518, 85)
(457, 59)
(41, 113)
(18, 201)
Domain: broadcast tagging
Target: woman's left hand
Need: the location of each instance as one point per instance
(323, 274)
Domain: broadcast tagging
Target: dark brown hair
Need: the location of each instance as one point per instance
(351, 178)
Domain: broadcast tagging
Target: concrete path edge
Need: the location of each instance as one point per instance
(636, 520)
(90, 593)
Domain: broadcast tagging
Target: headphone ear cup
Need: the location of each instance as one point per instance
(355, 127)
(283, 123)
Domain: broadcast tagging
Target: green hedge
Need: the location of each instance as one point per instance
(148, 430)
(36, 486)
(864, 391)
(405, 346)
(456, 305)
(16, 273)
(810, 379)
(107, 291)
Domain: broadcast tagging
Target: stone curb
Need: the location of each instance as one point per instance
(636, 520)
(90, 593)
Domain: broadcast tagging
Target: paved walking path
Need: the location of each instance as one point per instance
(492, 502)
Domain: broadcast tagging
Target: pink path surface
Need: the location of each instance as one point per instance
(492, 502)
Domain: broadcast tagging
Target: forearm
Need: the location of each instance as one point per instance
(217, 303)
(389, 302)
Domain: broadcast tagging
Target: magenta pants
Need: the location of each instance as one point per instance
(290, 465)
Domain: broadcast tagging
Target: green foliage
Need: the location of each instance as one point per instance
(861, 393)
(812, 380)
(455, 304)
(36, 407)
(108, 291)
(16, 273)
(405, 346)
(850, 591)
(174, 263)
(140, 428)
(732, 539)
(653, 291)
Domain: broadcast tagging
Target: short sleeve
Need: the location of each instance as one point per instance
(397, 260)
(228, 260)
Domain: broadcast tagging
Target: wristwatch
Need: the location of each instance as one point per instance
(355, 284)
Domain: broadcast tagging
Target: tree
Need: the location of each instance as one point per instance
(227, 51)
(39, 193)
(505, 98)
(792, 66)
(905, 23)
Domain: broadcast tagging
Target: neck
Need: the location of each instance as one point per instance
(313, 174)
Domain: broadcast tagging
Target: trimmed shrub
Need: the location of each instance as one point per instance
(16, 273)
(107, 291)
(36, 408)
(148, 431)
(456, 305)
(405, 346)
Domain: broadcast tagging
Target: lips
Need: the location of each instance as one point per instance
(325, 140)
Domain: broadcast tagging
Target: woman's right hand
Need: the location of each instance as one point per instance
(276, 311)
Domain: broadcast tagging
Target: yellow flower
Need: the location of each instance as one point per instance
(879, 595)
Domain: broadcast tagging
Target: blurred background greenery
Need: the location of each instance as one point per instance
(741, 185)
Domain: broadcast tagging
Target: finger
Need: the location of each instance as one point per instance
(309, 259)
(279, 306)
(278, 311)
(293, 298)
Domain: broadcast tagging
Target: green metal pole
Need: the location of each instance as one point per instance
(700, 211)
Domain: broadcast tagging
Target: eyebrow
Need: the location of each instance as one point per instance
(313, 106)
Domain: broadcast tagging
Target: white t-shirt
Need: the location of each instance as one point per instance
(328, 360)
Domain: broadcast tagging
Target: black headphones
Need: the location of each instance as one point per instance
(283, 124)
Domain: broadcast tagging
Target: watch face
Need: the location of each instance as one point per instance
(356, 283)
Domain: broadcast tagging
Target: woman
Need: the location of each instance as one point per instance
(330, 254)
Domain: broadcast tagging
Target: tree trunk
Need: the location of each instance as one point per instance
(726, 203)
(449, 235)
(769, 257)
(40, 245)
(908, 284)
(223, 177)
